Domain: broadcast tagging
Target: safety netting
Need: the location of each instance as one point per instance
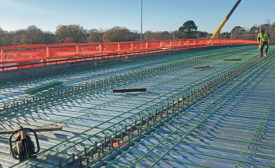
(45, 54)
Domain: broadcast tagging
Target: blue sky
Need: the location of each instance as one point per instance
(159, 15)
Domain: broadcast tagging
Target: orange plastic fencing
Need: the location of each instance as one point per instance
(47, 54)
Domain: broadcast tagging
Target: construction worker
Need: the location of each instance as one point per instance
(263, 39)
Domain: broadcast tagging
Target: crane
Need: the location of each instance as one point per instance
(224, 21)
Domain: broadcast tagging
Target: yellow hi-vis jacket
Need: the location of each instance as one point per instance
(263, 37)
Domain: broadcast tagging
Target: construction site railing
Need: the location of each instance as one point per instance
(27, 56)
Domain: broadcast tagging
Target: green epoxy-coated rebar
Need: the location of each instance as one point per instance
(108, 123)
(195, 128)
(247, 142)
(212, 55)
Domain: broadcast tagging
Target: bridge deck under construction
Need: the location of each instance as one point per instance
(207, 108)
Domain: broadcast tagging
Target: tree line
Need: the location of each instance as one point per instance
(78, 34)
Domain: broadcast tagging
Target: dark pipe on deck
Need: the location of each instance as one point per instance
(130, 90)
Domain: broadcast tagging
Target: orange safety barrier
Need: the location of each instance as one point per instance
(16, 57)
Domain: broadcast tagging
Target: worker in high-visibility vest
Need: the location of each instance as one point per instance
(263, 40)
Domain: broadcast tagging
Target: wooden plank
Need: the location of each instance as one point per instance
(233, 59)
(202, 67)
(42, 129)
(246, 53)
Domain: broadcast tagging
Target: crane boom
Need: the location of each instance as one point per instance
(224, 21)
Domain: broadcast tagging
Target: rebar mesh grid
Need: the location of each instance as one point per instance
(90, 116)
